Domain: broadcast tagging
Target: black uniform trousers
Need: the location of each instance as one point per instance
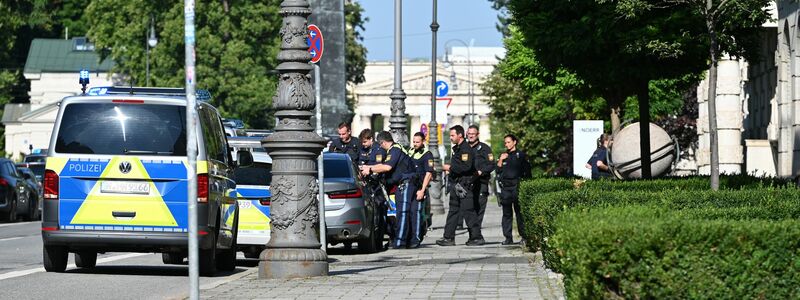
(481, 191)
(463, 207)
(509, 200)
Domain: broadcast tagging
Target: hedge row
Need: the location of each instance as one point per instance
(652, 252)
(744, 204)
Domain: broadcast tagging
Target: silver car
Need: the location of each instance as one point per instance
(351, 215)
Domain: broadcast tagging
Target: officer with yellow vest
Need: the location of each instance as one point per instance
(423, 165)
(399, 173)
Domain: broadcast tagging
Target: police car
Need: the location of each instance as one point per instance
(253, 195)
(116, 180)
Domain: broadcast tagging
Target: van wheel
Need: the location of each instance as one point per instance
(55, 258)
(252, 253)
(172, 258)
(207, 259)
(86, 259)
(226, 259)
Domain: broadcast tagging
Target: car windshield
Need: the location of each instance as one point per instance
(336, 168)
(38, 170)
(35, 158)
(122, 129)
(258, 174)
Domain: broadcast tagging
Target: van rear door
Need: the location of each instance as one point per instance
(122, 166)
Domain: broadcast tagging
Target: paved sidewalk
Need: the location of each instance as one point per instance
(489, 271)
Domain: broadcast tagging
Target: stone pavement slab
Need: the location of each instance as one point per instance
(491, 271)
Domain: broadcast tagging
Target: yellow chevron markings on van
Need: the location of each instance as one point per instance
(202, 166)
(56, 164)
(251, 218)
(98, 207)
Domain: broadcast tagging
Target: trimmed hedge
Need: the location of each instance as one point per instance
(743, 204)
(654, 252)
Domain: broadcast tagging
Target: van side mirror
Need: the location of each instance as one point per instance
(244, 158)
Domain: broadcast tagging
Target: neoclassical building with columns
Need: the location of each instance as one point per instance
(758, 104)
(372, 97)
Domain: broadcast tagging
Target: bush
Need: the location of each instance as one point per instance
(654, 252)
(540, 214)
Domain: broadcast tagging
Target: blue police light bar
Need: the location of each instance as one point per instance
(84, 77)
(202, 95)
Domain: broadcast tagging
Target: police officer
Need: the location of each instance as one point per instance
(369, 150)
(512, 165)
(399, 172)
(461, 172)
(345, 143)
(484, 164)
(423, 165)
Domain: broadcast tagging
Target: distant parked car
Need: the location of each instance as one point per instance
(36, 163)
(34, 193)
(13, 192)
(351, 215)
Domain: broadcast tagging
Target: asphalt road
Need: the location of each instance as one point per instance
(117, 275)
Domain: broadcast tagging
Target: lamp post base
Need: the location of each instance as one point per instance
(292, 263)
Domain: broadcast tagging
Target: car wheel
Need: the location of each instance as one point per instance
(170, 258)
(12, 210)
(207, 259)
(30, 215)
(372, 243)
(252, 253)
(86, 259)
(55, 258)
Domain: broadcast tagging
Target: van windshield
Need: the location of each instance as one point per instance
(122, 129)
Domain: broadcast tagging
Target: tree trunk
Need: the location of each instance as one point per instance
(712, 108)
(644, 128)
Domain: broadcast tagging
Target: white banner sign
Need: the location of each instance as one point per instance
(584, 142)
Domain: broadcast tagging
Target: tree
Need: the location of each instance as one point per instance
(503, 20)
(551, 101)
(617, 47)
(355, 53)
(237, 45)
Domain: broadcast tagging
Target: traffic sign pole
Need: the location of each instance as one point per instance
(316, 48)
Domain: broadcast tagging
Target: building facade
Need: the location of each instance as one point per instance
(757, 104)
(467, 102)
(52, 68)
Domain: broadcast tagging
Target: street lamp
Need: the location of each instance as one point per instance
(436, 203)
(469, 72)
(151, 42)
(398, 120)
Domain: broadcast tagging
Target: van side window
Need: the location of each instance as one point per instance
(219, 133)
(213, 146)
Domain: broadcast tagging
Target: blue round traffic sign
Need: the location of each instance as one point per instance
(441, 89)
(316, 44)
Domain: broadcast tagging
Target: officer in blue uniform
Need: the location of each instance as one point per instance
(399, 173)
(423, 166)
(369, 150)
(346, 143)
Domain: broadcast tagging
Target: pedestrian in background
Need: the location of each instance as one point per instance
(599, 160)
(512, 166)
(346, 143)
(462, 174)
(484, 164)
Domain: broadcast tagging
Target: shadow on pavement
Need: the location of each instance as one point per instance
(146, 271)
(356, 271)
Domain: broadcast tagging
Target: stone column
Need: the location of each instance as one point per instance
(294, 249)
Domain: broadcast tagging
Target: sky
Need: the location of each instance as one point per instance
(458, 19)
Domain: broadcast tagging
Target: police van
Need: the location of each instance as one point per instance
(116, 180)
(254, 196)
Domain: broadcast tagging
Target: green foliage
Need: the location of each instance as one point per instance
(355, 53)
(544, 123)
(647, 252)
(542, 200)
(236, 45)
